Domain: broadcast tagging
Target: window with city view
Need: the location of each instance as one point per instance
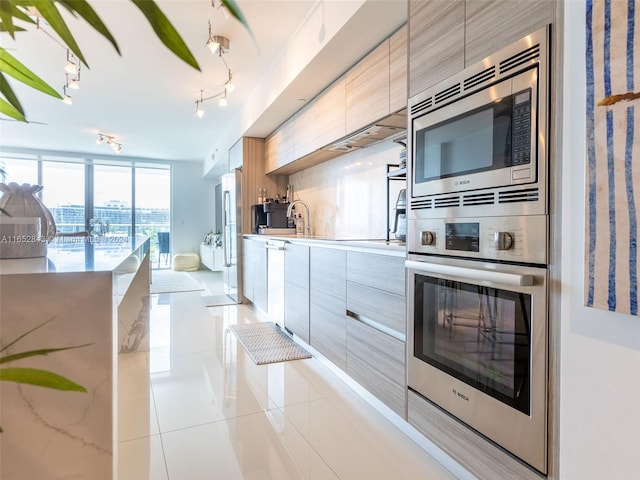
(127, 200)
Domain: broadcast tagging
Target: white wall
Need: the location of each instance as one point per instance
(192, 206)
(347, 195)
(600, 351)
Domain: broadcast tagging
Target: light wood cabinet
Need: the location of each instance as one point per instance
(377, 362)
(279, 146)
(327, 295)
(493, 24)
(322, 121)
(254, 272)
(398, 70)
(296, 290)
(436, 41)
(367, 89)
(376, 326)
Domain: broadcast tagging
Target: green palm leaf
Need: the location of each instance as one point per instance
(235, 12)
(9, 110)
(13, 67)
(82, 8)
(40, 352)
(40, 378)
(7, 92)
(50, 13)
(165, 31)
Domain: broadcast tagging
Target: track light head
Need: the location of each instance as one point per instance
(100, 139)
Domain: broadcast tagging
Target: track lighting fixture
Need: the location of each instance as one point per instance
(74, 84)
(66, 99)
(71, 66)
(111, 141)
(220, 45)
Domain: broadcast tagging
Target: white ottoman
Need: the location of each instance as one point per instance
(186, 262)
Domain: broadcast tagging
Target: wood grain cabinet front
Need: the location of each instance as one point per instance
(296, 290)
(368, 89)
(398, 70)
(328, 303)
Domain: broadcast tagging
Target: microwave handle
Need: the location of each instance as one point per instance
(472, 273)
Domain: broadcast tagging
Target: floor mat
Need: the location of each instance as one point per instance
(265, 343)
(165, 281)
(217, 300)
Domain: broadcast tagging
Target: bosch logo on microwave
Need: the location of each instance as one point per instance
(462, 182)
(460, 394)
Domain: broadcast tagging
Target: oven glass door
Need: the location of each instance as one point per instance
(478, 334)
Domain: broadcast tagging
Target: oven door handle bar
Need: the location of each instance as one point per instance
(472, 273)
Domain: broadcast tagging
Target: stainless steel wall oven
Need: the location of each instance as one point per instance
(477, 246)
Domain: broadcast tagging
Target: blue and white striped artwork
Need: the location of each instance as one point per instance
(613, 155)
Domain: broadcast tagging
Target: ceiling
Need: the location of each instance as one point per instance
(146, 97)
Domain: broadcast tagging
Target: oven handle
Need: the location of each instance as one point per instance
(472, 273)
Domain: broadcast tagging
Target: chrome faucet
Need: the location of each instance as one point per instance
(307, 227)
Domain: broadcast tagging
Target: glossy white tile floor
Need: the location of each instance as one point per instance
(196, 407)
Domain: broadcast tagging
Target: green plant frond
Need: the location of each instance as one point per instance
(14, 68)
(16, 28)
(82, 8)
(50, 13)
(39, 378)
(40, 352)
(7, 91)
(28, 332)
(10, 111)
(236, 13)
(20, 14)
(165, 31)
(7, 18)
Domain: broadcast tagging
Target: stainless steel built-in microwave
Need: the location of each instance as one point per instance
(482, 131)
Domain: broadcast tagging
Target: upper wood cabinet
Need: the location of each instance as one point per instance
(368, 89)
(322, 121)
(398, 70)
(436, 41)
(279, 146)
(445, 36)
(493, 24)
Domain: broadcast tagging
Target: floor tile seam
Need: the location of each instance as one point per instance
(235, 417)
(155, 408)
(311, 446)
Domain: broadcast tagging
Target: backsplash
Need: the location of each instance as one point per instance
(347, 195)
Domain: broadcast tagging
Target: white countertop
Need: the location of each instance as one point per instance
(391, 247)
(79, 254)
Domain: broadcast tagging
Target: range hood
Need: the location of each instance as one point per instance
(388, 127)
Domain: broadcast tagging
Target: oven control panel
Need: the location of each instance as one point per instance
(517, 239)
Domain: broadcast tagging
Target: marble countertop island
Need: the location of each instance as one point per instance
(89, 299)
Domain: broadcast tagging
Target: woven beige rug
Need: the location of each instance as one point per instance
(265, 343)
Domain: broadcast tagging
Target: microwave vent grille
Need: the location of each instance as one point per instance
(447, 202)
(480, 78)
(528, 195)
(521, 58)
(423, 105)
(478, 199)
(421, 204)
(448, 93)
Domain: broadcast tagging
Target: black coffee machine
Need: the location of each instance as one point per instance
(258, 217)
(400, 224)
(276, 214)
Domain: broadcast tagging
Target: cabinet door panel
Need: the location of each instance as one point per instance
(436, 41)
(368, 89)
(296, 290)
(493, 24)
(328, 304)
(322, 121)
(383, 272)
(398, 70)
(279, 147)
(248, 270)
(260, 276)
(376, 361)
(385, 308)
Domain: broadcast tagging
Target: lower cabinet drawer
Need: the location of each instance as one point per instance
(377, 362)
(386, 308)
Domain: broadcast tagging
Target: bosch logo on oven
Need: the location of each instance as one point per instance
(460, 395)
(462, 182)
